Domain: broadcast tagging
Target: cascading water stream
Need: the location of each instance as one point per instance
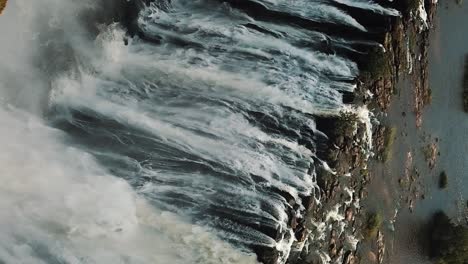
(184, 134)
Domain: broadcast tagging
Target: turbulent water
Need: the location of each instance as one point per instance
(178, 134)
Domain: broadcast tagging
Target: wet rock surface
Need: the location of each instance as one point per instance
(338, 217)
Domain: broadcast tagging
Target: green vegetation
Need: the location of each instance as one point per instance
(428, 97)
(449, 242)
(390, 135)
(426, 150)
(465, 85)
(429, 151)
(443, 180)
(346, 124)
(373, 224)
(377, 64)
(412, 39)
(364, 172)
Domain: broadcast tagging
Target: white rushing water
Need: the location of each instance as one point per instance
(183, 144)
(57, 204)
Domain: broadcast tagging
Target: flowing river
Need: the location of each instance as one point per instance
(167, 131)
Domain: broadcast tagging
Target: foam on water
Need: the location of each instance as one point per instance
(59, 206)
(193, 141)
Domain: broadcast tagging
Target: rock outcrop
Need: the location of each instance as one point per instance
(3, 4)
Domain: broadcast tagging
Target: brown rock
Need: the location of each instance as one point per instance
(333, 250)
(371, 257)
(293, 222)
(350, 259)
(349, 214)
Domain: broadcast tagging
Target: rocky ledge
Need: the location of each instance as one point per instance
(332, 229)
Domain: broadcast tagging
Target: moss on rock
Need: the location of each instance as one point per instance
(390, 135)
(373, 224)
(377, 65)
